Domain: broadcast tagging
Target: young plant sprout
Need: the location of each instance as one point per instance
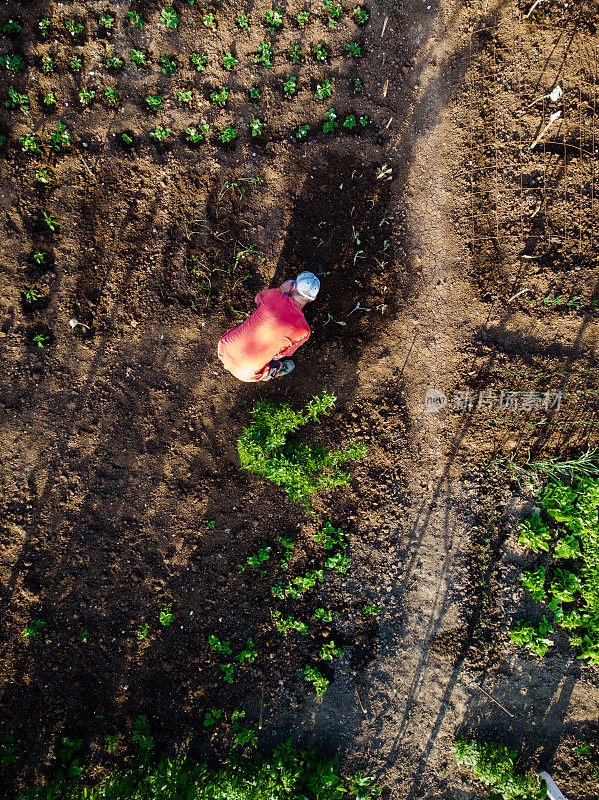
(40, 256)
(155, 102)
(290, 86)
(185, 97)
(47, 65)
(323, 615)
(330, 651)
(169, 18)
(31, 294)
(34, 629)
(44, 26)
(29, 143)
(86, 96)
(75, 64)
(126, 140)
(242, 22)
(113, 61)
(294, 51)
(168, 65)
(17, 100)
(254, 93)
(358, 85)
(316, 678)
(13, 62)
(331, 123)
(333, 11)
(212, 716)
(43, 176)
(361, 15)
(302, 132)
(363, 120)
(350, 121)
(60, 138)
(195, 134)
(51, 221)
(135, 20)
(302, 19)
(229, 61)
(208, 20)
(220, 98)
(199, 62)
(111, 95)
(73, 27)
(166, 616)
(11, 27)
(106, 21)
(227, 134)
(139, 58)
(354, 49)
(256, 126)
(264, 55)
(273, 20)
(323, 90)
(320, 52)
(371, 610)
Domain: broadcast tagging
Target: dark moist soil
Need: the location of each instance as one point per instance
(123, 492)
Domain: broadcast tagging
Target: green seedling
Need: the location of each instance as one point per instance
(338, 562)
(319, 52)
(142, 734)
(211, 524)
(83, 636)
(11, 27)
(249, 653)
(228, 61)
(17, 100)
(135, 19)
(290, 86)
(361, 15)
(568, 547)
(264, 55)
(49, 98)
(331, 123)
(227, 134)
(75, 64)
(493, 764)
(255, 561)
(273, 20)
(316, 678)
(528, 636)
(29, 143)
(534, 582)
(139, 58)
(254, 93)
(155, 102)
(168, 65)
(43, 176)
(142, 631)
(220, 98)
(294, 52)
(195, 134)
(86, 96)
(256, 126)
(285, 625)
(67, 753)
(302, 19)
(106, 21)
(61, 138)
(236, 718)
(111, 95)
(73, 27)
(169, 18)
(350, 121)
(354, 49)
(288, 548)
(34, 629)
(51, 221)
(13, 62)
(9, 753)
(302, 132)
(32, 294)
(227, 670)
(185, 97)
(298, 586)
(111, 741)
(323, 90)
(44, 26)
(224, 648)
(41, 340)
(209, 21)
(212, 716)
(47, 65)
(329, 651)
(114, 62)
(199, 62)
(363, 120)
(323, 615)
(331, 537)
(333, 12)
(40, 257)
(358, 85)
(534, 533)
(371, 610)
(246, 736)
(166, 616)
(242, 22)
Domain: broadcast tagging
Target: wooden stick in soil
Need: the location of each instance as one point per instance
(261, 709)
(553, 118)
(480, 688)
(360, 702)
(384, 26)
(532, 8)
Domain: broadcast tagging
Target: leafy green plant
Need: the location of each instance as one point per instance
(168, 65)
(114, 62)
(220, 98)
(264, 55)
(43, 176)
(13, 62)
(111, 95)
(29, 143)
(111, 741)
(534, 582)
(67, 755)
(320, 52)
(314, 676)
(166, 616)
(330, 651)
(75, 64)
(135, 19)
(302, 19)
(290, 86)
(74, 28)
(47, 65)
(273, 20)
(60, 138)
(249, 653)
(142, 631)
(199, 62)
(51, 220)
(339, 563)
(126, 139)
(142, 734)
(44, 26)
(354, 49)
(208, 21)
(33, 630)
(86, 96)
(83, 636)
(12, 27)
(302, 132)
(31, 294)
(323, 615)
(41, 340)
(212, 716)
(294, 52)
(297, 586)
(534, 533)
(255, 561)
(254, 93)
(493, 764)
(185, 97)
(227, 670)
(227, 134)
(361, 15)
(155, 102)
(333, 12)
(331, 123)
(228, 61)
(49, 98)
(18, 100)
(350, 121)
(169, 18)
(9, 751)
(242, 22)
(331, 537)
(106, 21)
(287, 624)
(528, 636)
(256, 126)
(358, 85)
(267, 448)
(224, 648)
(195, 134)
(139, 58)
(288, 548)
(246, 736)
(40, 256)
(323, 90)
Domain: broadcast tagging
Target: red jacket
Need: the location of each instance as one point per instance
(276, 328)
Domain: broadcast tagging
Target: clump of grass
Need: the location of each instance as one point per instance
(493, 764)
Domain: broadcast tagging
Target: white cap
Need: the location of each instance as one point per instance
(307, 284)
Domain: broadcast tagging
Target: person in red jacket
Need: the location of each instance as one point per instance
(259, 348)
